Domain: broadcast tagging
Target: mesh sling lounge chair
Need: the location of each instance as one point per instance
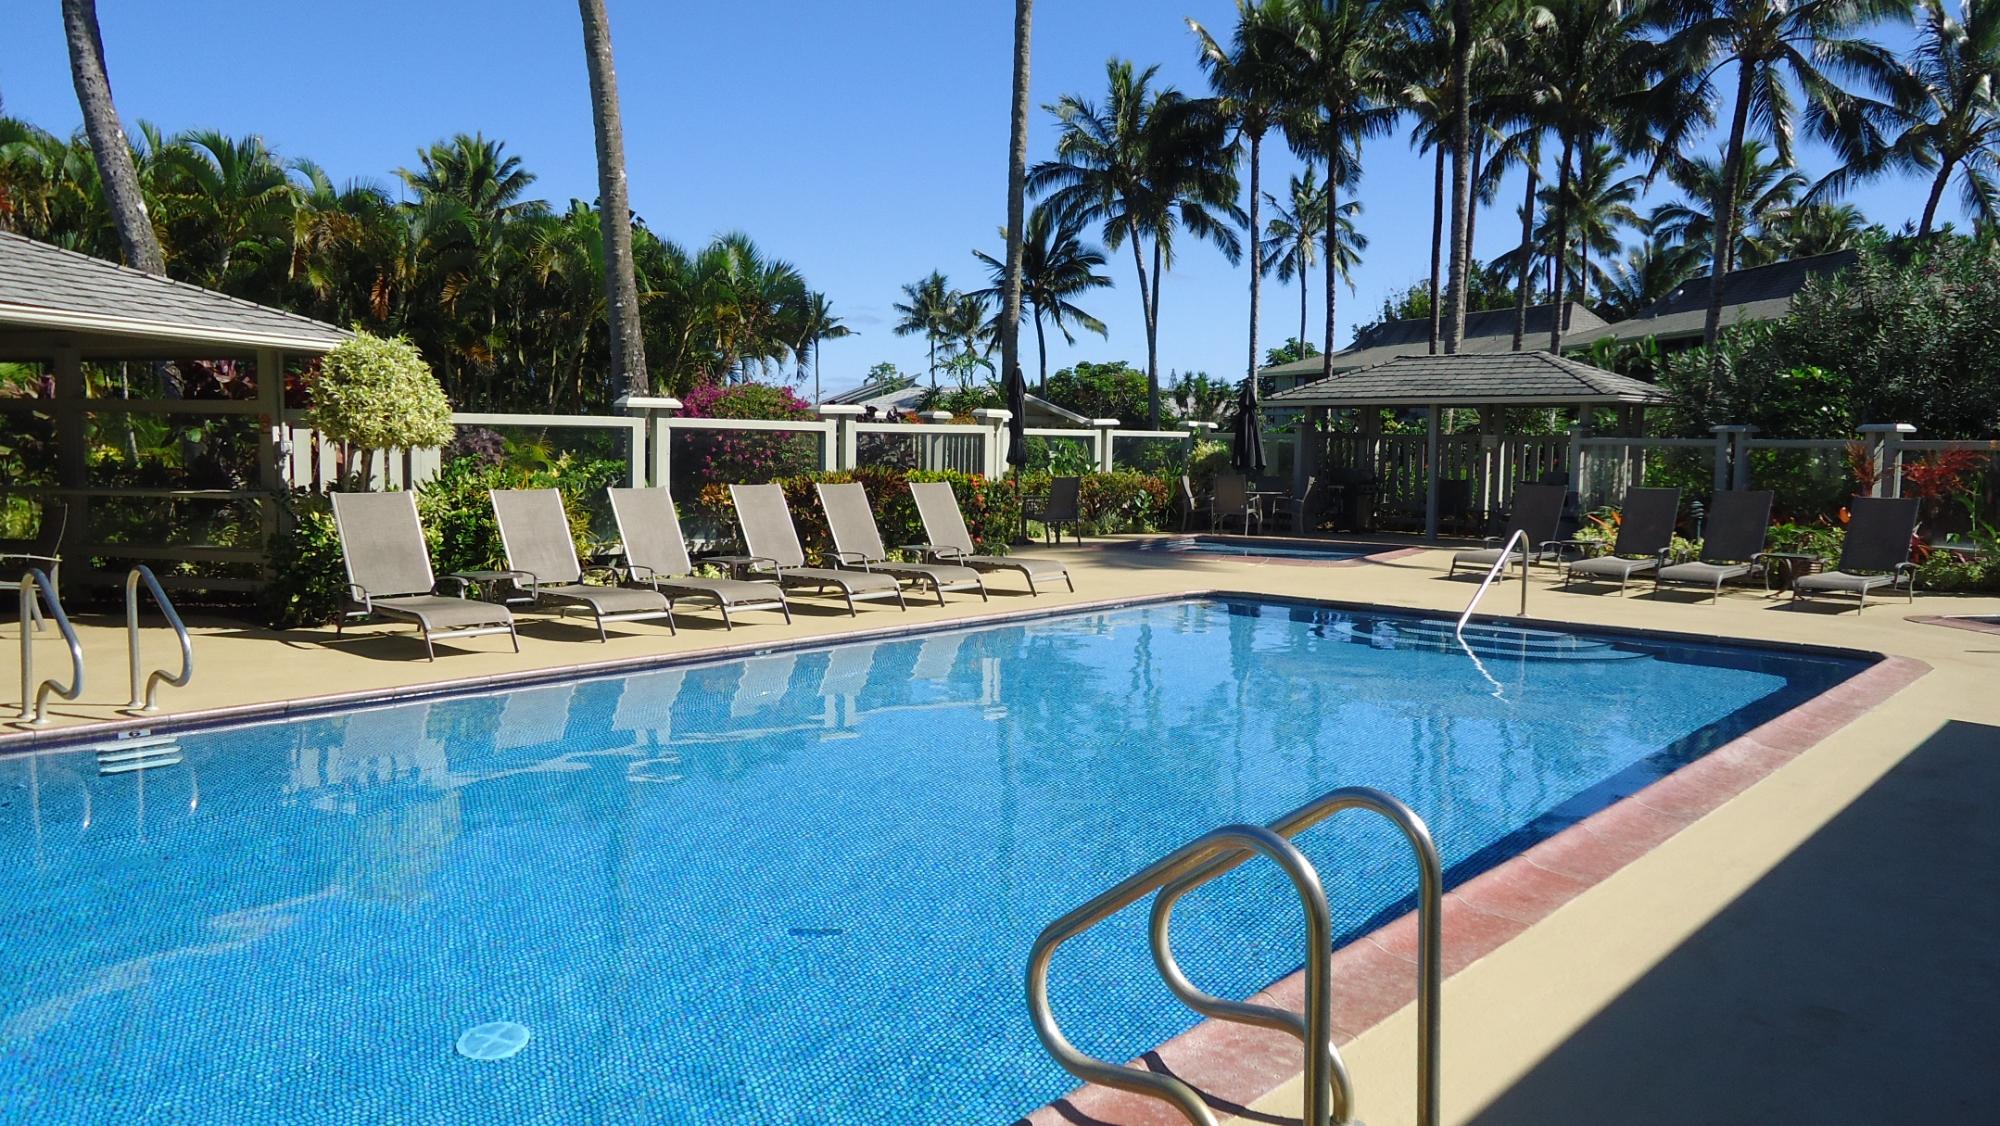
(1645, 535)
(656, 556)
(1538, 511)
(857, 544)
(770, 539)
(1875, 554)
(534, 531)
(1732, 545)
(944, 526)
(389, 572)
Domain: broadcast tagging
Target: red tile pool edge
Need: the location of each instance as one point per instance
(1374, 976)
(1954, 621)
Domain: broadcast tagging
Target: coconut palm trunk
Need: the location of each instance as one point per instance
(1461, 170)
(1938, 184)
(1527, 262)
(1559, 269)
(1725, 207)
(136, 237)
(1331, 247)
(614, 207)
(1437, 245)
(1256, 247)
(1017, 193)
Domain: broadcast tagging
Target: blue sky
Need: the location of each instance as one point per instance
(865, 142)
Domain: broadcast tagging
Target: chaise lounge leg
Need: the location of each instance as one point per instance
(430, 651)
(514, 636)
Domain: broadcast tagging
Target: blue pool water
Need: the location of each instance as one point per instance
(798, 888)
(1249, 549)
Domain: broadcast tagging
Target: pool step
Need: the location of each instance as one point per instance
(1487, 640)
(140, 751)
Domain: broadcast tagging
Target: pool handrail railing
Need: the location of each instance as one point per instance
(1328, 1090)
(35, 590)
(149, 699)
(1520, 536)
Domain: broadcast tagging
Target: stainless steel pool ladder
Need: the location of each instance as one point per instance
(1493, 572)
(149, 701)
(35, 591)
(1328, 1092)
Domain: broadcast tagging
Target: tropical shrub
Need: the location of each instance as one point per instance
(376, 393)
(702, 456)
(1114, 390)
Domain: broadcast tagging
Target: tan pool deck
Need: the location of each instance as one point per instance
(1822, 946)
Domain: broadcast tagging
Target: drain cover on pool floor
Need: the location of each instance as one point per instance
(494, 1040)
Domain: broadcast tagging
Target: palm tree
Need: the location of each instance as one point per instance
(817, 322)
(1056, 266)
(234, 197)
(1012, 271)
(927, 307)
(1145, 164)
(1598, 206)
(137, 239)
(1335, 104)
(614, 206)
(1811, 42)
(1766, 196)
(1947, 114)
(1291, 239)
(1648, 272)
(1250, 87)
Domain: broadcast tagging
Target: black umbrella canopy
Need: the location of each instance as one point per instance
(1017, 423)
(1249, 452)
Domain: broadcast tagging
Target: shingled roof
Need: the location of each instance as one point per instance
(1471, 380)
(1761, 293)
(46, 289)
(1489, 330)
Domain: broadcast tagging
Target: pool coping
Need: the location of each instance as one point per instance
(1234, 1065)
(1386, 553)
(1956, 621)
(72, 736)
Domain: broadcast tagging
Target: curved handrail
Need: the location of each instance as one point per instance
(149, 701)
(1493, 572)
(1335, 1089)
(1237, 840)
(36, 589)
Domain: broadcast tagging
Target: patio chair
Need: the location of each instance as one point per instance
(1876, 552)
(857, 544)
(771, 547)
(44, 552)
(950, 541)
(1297, 512)
(1537, 512)
(1232, 498)
(389, 572)
(534, 532)
(1063, 506)
(1191, 505)
(1645, 536)
(1732, 546)
(656, 556)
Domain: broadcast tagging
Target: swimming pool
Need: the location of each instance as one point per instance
(793, 888)
(1250, 549)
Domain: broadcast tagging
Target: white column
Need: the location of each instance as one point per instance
(994, 419)
(1104, 427)
(931, 454)
(1885, 444)
(1303, 468)
(838, 450)
(650, 441)
(1728, 439)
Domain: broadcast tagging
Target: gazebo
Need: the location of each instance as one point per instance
(103, 337)
(1489, 383)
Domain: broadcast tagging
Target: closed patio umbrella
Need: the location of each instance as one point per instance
(1017, 439)
(1249, 453)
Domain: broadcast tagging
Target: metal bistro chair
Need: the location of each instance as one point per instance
(45, 553)
(1191, 505)
(1063, 506)
(1233, 500)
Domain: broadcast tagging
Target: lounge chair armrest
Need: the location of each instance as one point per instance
(358, 594)
(462, 587)
(28, 556)
(845, 558)
(1489, 541)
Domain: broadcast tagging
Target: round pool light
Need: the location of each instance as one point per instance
(494, 1040)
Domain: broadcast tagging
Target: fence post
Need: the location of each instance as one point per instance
(1104, 427)
(1728, 446)
(1885, 451)
(994, 419)
(838, 449)
(649, 441)
(931, 456)
(1578, 431)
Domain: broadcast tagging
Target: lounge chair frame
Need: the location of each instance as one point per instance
(654, 531)
(1538, 512)
(539, 512)
(1645, 539)
(778, 538)
(1879, 529)
(392, 516)
(857, 545)
(951, 541)
(1731, 547)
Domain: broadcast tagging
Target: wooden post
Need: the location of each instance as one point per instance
(1431, 473)
(72, 456)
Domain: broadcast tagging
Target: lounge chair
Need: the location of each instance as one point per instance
(1191, 506)
(389, 572)
(1233, 499)
(1538, 512)
(857, 544)
(951, 542)
(534, 531)
(656, 556)
(771, 547)
(1645, 536)
(1876, 552)
(1732, 545)
(1063, 506)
